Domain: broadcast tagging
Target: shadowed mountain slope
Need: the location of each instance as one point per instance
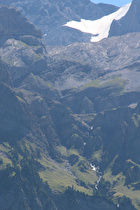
(71, 148)
(50, 16)
(129, 23)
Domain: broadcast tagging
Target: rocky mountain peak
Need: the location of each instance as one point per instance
(129, 23)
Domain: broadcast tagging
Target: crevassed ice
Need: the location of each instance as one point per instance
(99, 28)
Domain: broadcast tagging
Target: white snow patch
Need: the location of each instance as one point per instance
(94, 168)
(133, 105)
(99, 28)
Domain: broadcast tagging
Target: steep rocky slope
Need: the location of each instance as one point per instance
(129, 23)
(50, 16)
(96, 64)
(68, 148)
(15, 25)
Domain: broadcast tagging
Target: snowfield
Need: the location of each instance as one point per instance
(99, 28)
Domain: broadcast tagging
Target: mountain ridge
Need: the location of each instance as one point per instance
(51, 16)
(99, 28)
(66, 144)
(129, 23)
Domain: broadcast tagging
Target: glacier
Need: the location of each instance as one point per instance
(99, 28)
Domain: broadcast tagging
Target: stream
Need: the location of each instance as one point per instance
(99, 173)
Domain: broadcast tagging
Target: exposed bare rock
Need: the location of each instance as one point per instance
(129, 23)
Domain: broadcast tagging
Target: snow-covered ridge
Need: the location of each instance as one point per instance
(99, 28)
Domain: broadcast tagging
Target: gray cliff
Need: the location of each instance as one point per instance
(129, 23)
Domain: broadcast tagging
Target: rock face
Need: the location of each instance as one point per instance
(14, 24)
(4, 75)
(51, 135)
(129, 23)
(50, 16)
(79, 64)
(65, 36)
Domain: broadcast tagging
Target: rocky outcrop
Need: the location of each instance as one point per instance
(13, 24)
(65, 36)
(129, 23)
